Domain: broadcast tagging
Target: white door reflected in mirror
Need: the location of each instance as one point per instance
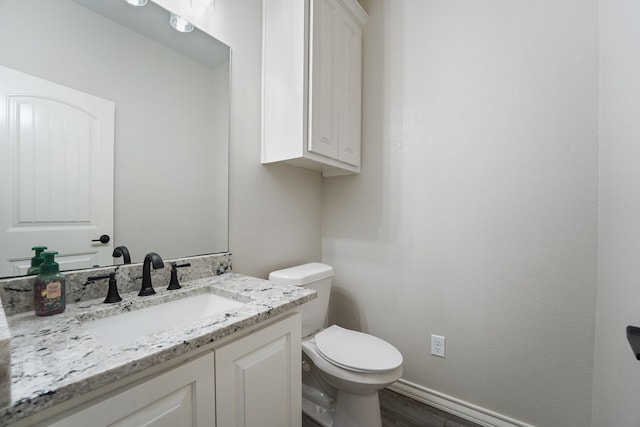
(57, 145)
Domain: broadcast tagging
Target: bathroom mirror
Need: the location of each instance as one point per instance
(171, 96)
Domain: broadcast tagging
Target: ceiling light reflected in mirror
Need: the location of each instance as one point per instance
(180, 24)
(202, 7)
(137, 2)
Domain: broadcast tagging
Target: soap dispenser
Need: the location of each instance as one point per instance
(49, 287)
(36, 260)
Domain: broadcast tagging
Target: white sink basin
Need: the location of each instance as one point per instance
(122, 328)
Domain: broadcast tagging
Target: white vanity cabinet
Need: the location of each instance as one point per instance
(312, 89)
(182, 397)
(249, 379)
(258, 378)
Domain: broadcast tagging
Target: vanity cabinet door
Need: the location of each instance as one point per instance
(183, 396)
(258, 378)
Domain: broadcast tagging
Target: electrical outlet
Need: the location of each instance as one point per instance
(437, 345)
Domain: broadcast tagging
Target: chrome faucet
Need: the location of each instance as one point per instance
(150, 259)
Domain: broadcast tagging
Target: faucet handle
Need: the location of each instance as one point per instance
(112, 293)
(173, 283)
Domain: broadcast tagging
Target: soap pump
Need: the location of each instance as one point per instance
(36, 260)
(49, 287)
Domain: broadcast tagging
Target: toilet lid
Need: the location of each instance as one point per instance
(357, 351)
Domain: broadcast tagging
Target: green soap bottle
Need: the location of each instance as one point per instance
(36, 260)
(49, 288)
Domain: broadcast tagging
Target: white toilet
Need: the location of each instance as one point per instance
(343, 369)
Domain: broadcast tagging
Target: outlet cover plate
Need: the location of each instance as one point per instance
(438, 345)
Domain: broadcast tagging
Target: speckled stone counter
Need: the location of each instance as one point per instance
(56, 358)
(5, 361)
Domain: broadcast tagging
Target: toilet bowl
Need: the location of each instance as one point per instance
(345, 368)
(355, 371)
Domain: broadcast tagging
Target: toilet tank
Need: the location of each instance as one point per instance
(316, 276)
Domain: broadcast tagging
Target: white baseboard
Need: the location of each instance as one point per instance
(457, 407)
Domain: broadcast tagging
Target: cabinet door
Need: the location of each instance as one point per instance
(258, 378)
(349, 69)
(323, 80)
(183, 396)
(335, 82)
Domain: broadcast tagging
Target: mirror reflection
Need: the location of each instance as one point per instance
(170, 93)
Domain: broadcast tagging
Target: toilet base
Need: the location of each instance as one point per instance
(357, 410)
(316, 403)
(319, 414)
(350, 410)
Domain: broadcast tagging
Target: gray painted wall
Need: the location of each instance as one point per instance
(475, 216)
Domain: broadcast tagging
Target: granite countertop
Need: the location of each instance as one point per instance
(56, 358)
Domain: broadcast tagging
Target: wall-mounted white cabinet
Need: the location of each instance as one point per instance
(312, 89)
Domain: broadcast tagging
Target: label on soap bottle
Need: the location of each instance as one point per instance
(49, 297)
(54, 290)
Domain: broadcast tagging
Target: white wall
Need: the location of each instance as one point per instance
(475, 216)
(275, 210)
(617, 372)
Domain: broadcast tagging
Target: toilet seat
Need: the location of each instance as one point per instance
(357, 351)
